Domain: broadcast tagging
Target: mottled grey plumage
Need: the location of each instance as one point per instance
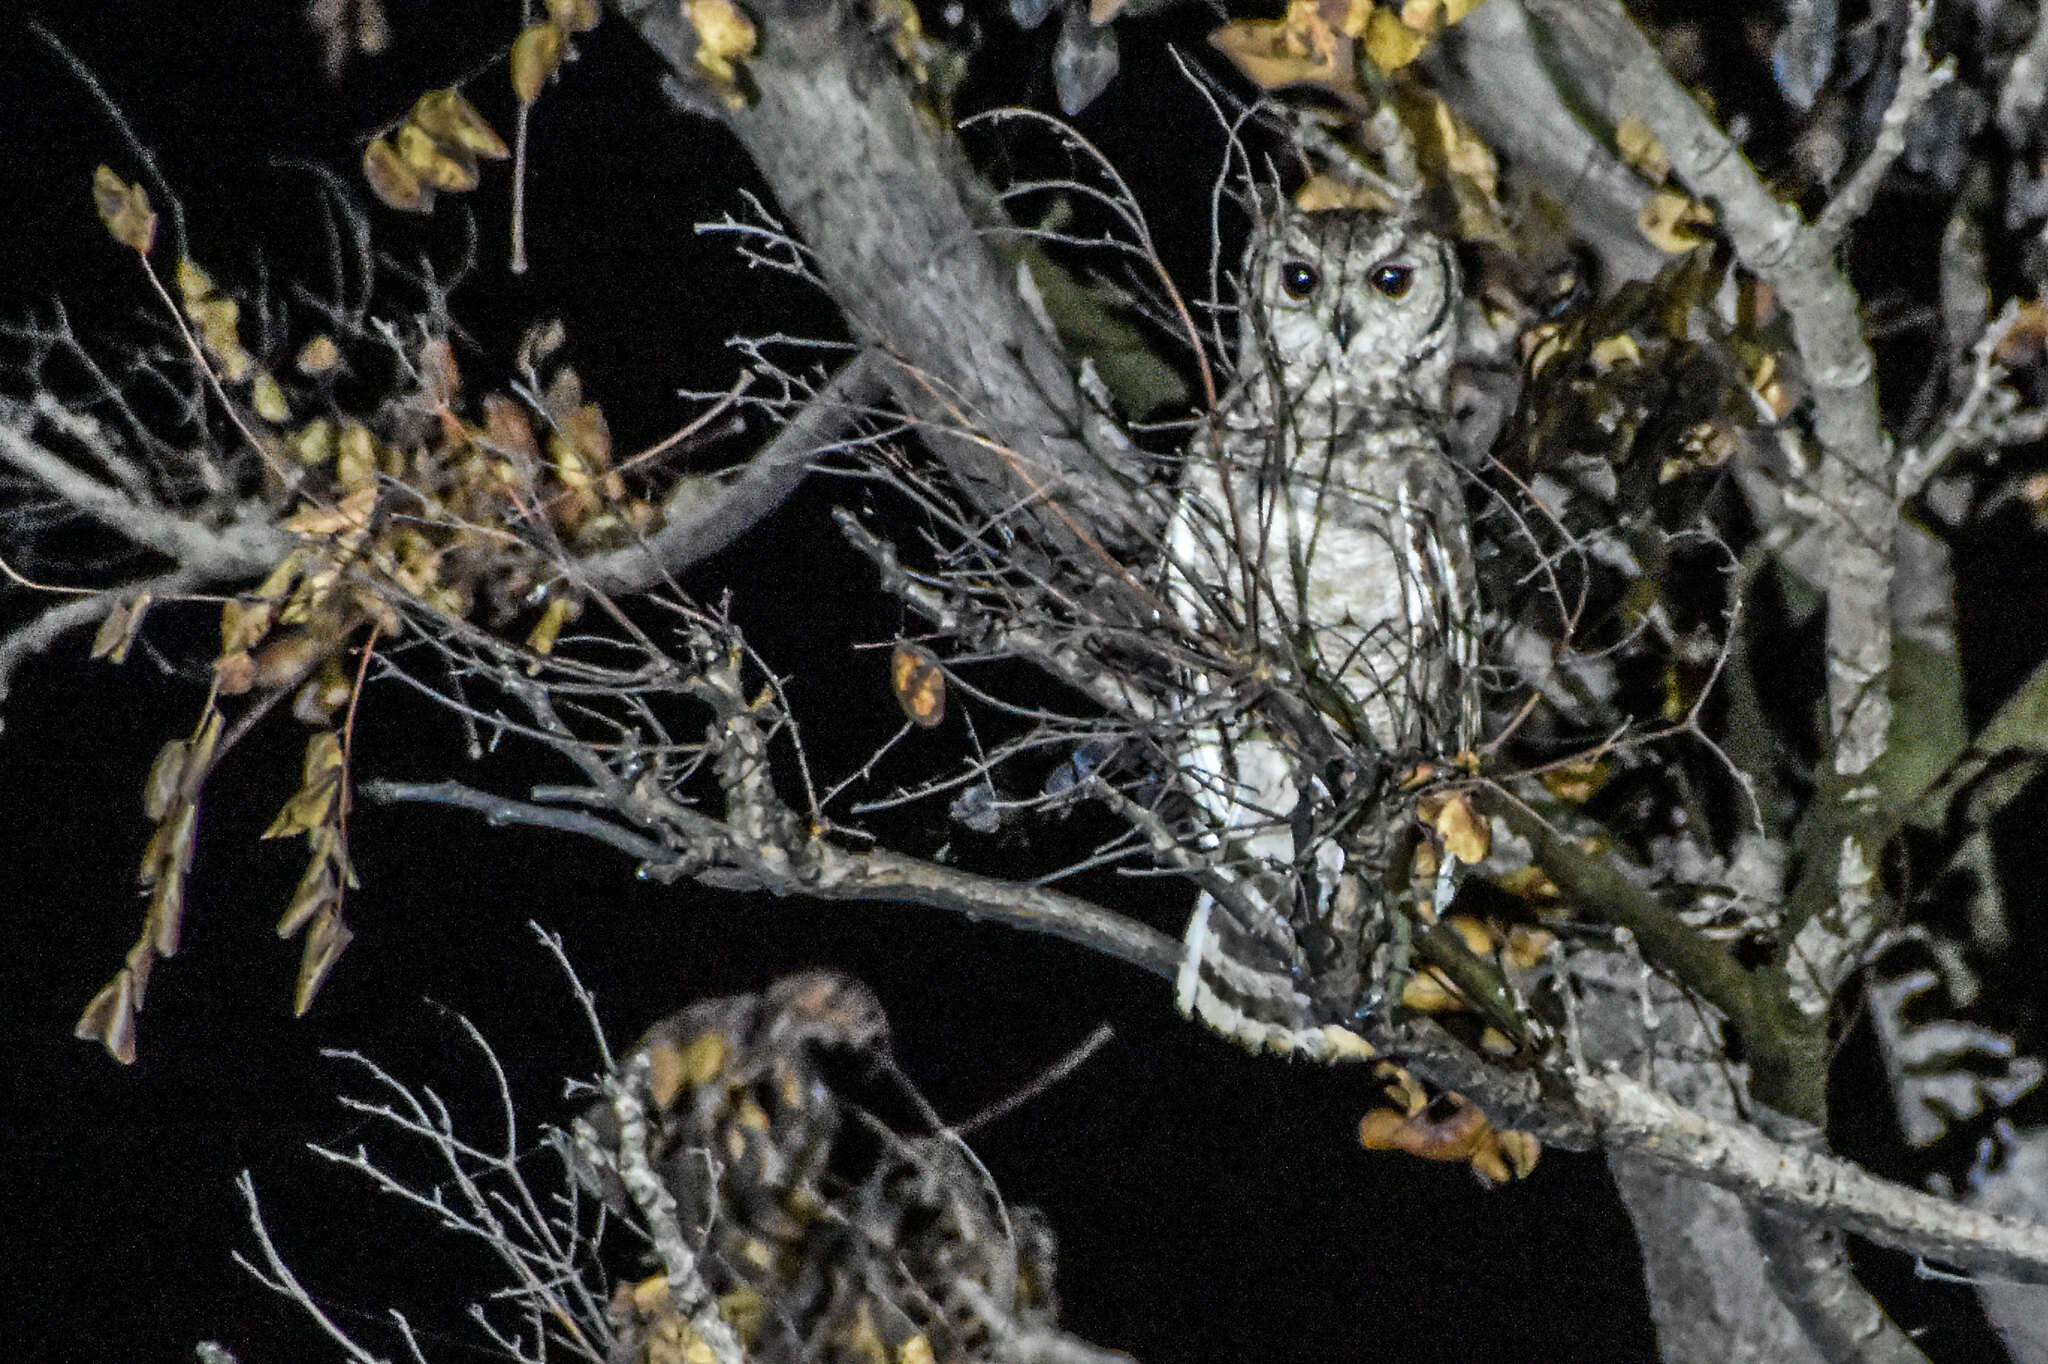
(1322, 523)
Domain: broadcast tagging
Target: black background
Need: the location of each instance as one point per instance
(1209, 1206)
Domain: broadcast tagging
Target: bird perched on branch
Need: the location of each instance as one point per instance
(1321, 552)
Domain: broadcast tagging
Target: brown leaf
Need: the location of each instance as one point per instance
(393, 181)
(1670, 218)
(437, 165)
(725, 35)
(1300, 49)
(452, 120)
(576, 16)
(166, 774)
(318, 355)
(125, 209)
(116, 635)
(920, 685)
(1464, 831)
(110, 1018)
(535, 55)
(325, 941)
(318, 893)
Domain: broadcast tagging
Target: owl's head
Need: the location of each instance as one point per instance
(1349, 306)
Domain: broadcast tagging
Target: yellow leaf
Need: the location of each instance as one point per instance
(535, 55)
(1463, 829)
(1323, 191)
(452, 120)
(124, 208)
(314, 444)
(916, 1350)
(674, 1070)
(318, 355)
(543, 635)
(1299, 49)
(392, 180)
(919, 684)
(317, 892)
(1456, 10)
(724, 35)
(306, 810)
(1616, 352)
(437, 165)
(1669, 218)
(1640, 148)
(1465, 154)
(1577, 781)
(268, 399)
(577, 16)
(1390, 43)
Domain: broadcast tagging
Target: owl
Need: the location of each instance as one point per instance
(1321, 540)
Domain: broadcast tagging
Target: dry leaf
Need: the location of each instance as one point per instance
(325, 940)
(110, 1018)
(575, 16)
(454, 122)
(116, 635)
(392, 180)
(1464, 831)
(1640, 148)
(435, 164)
(1390, 43)
(1299, 49)
(536, 54)
(724, 36)
(1668, 220)
(920, 685)
(125, 209)
(318, 355)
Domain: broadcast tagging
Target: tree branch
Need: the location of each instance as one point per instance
(893, 216)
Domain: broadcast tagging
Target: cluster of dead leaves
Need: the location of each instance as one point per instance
(424, 504)
(1317, 41)
(821, 1243)
(1445, 1127)
(435, 150)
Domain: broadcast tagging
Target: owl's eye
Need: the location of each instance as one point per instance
(1299, 278)
(1392, 280)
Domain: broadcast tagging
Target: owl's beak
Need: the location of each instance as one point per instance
(1341, 326)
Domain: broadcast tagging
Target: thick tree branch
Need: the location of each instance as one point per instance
(886, 207)
(1638, 1119)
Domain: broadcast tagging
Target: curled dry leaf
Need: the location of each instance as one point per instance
(325, 940)
(318, 356)
(919, 684)
(725, 35)
(116, 635)
(1303, 47)
(1464, 831)
(392, 180)
(536, 54)
(453, 121)
(1670, 221)
(1641, 150)
(125, 209)
(574, 16)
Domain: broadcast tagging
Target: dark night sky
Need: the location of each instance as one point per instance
(1209, 1206)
